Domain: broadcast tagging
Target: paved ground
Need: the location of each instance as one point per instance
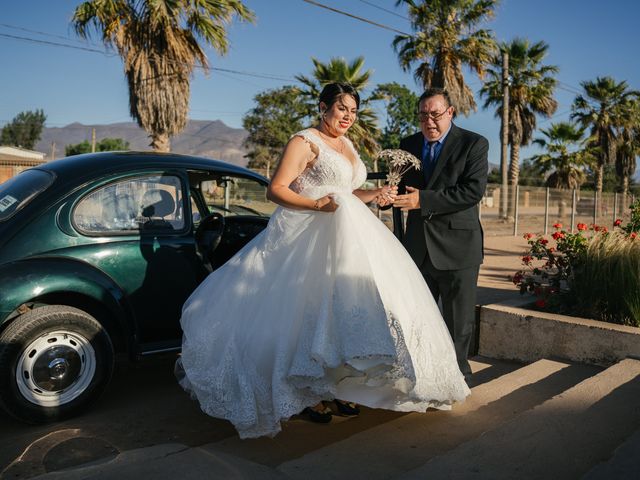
(502, 258)
(144, 405)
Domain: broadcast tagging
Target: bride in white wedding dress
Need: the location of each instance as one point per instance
(325, 303)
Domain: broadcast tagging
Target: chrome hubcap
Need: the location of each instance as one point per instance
(55, 368)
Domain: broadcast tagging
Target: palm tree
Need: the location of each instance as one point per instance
(364, 131)
(600, 109)
(447, 39)
(158, 43)
(530, 93)
(564, 157)
(628, 148)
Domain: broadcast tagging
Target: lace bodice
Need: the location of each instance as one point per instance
(331, 168)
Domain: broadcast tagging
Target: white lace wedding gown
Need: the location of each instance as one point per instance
(317, 306)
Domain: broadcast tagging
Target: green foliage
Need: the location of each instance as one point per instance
(495, 175)
(596, 276)
(401, 107)
(24, 130)
(364, 131)
(532, 86)
(610, 179)
(530, 174)
(104, 145)
(446, 38)
(634, 221)
(564, 156)
(278, 114)
(603, 108)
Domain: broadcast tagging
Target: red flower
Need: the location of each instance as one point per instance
(543, 241)
(527, 259)
(557, 235)
(551, 249)
(596, 228)
(540, 303)
(527, 236)
(582, 226)
(617, 222)
(557, 225)
(604, 229)
(633, 235)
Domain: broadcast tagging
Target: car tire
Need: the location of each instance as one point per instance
(54, 361)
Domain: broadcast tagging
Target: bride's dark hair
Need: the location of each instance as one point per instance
(332, 92)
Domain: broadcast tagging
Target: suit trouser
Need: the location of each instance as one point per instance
(457, 291)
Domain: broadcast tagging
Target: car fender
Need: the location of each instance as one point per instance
(31, 280)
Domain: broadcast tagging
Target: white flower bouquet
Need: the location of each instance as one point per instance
(399, 162)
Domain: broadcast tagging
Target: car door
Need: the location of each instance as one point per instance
(142, 238)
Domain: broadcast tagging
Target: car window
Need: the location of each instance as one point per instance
(147, 204)
(230, 195)
(195, 213)
(18, 191)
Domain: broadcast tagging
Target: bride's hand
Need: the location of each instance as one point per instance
(326, 204)
(386, 196)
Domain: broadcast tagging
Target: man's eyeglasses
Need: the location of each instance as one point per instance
(424, 116)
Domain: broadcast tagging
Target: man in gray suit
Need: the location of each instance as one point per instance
(443, 235)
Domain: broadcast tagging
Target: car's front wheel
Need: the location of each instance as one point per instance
(54, 360)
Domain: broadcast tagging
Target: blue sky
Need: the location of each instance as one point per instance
(586, 39)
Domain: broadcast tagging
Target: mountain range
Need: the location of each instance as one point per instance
(206, 138)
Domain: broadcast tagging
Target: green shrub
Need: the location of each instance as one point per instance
(593, 272)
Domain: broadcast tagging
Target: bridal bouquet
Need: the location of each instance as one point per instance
(399, 161)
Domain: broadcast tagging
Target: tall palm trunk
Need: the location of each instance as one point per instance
(599, 177)
(160, 142)
(514, 174)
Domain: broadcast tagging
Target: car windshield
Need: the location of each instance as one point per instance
(18, 191)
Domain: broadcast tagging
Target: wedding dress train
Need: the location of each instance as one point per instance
(317, 306)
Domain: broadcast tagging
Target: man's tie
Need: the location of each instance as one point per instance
(429, 160)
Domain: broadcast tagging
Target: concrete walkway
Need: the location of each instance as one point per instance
(502, 258)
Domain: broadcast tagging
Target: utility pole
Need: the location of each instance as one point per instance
(504, 152)
(53, 151)
(93, 140)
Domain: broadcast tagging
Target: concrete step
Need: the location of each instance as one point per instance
(398, 446)
(299, 436)
(623, 465)
(562, 438)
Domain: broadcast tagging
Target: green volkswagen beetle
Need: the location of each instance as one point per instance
(98, 253)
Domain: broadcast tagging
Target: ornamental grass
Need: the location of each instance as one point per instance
(606, 283)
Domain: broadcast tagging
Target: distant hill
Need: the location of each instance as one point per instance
(212, 139)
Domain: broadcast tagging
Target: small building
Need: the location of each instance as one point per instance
(13, 160)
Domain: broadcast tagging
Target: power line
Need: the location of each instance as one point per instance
(569, 88)
(361, 19)
(38, 32)
(384, 9)
(267, 76)
(56, 44)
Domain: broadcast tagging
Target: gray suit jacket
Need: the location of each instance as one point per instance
(447, 225)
